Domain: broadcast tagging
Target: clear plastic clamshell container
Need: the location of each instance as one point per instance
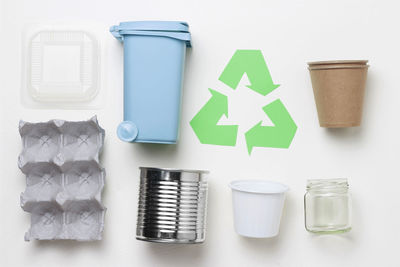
(62, 67)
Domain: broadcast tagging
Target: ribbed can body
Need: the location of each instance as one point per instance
(172, 206)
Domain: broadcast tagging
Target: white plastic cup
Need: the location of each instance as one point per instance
(257, 207)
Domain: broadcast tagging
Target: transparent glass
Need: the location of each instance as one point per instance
(327, 206)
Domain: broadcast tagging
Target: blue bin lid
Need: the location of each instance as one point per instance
(173, 26)
(173, 29)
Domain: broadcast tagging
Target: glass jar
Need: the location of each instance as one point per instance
(327, 206)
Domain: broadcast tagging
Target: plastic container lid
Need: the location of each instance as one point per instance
(63, 66)
(172, 29)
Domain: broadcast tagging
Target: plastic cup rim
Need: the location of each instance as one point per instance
(234, 186)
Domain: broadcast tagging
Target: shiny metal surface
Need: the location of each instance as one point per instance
(172, 206)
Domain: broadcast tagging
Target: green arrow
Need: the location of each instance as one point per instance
(278, 136)
(253, 64)
(205, 126)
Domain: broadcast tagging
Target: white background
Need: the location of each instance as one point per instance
(289, 33)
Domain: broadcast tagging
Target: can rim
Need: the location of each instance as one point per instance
(170, 241)
(174, 170)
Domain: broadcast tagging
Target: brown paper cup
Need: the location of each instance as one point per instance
(339, 88)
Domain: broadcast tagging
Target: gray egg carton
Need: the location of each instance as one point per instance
(64, 179)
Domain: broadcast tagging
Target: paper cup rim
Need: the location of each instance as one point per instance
(344, 66)
(258, 186)
(332, 62)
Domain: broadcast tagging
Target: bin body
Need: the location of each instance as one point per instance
(153, 76)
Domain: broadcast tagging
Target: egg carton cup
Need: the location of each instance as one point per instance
(81, 220)
(60, 141)
(64, 180)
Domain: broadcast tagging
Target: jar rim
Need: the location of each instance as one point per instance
(327, 183)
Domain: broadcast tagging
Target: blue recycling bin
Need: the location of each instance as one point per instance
(154, 58)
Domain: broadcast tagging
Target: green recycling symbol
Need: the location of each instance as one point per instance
(205, 122)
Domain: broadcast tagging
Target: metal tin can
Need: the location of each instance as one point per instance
(172, 205)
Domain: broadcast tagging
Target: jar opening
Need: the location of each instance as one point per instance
(329, 184)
